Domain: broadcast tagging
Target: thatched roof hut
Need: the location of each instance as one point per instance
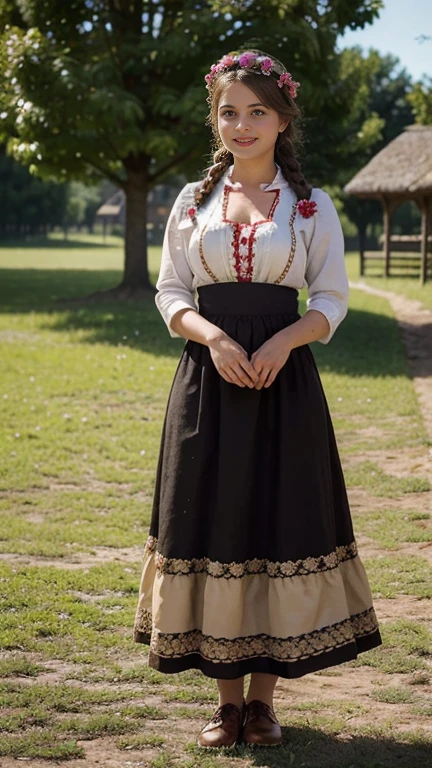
(401, 171)
(113, 208)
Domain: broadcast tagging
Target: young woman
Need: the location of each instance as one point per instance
(251, 564)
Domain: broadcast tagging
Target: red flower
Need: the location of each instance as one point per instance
(307, 208)
(191, 212)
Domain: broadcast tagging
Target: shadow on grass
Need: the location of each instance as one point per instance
(311, 748)
(365, 344)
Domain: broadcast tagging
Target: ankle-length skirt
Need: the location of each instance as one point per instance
(251, 564)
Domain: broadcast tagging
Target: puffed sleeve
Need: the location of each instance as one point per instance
(175, 282)
(325, 274)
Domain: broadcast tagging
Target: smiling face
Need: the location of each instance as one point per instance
(248, 129)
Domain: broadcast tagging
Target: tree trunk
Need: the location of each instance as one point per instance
(136, 277)
(136, 281)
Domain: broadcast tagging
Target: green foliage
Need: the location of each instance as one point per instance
(82, 204)
(117, 90)
(94, 89)
(379, 112)
(420, 99)
(27, 205)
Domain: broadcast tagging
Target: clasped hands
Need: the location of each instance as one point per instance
(232, 363)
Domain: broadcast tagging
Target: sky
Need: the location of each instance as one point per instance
(395, 31)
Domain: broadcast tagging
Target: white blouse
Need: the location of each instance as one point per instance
(286, 249)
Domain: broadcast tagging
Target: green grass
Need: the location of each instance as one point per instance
(137, 742)
(39, 744)
(62, 697)
(406, 649)
(370, 476)
(400, 574)
(407, 286)
(393, 527)
(393, 695)
(19, 666)
(82, 398)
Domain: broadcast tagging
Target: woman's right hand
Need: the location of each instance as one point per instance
(231, 361)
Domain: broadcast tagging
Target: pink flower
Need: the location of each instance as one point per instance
(227, 61)
(266, 65)
(246, 59)
(263, 65)
(286, 79)
(307, 208)
(293, 89)
(191, 212)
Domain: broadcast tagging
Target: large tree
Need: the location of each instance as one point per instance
(115, 88)
(379, 112)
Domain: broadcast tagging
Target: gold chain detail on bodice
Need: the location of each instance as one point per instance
(286, 269)
(203, 261)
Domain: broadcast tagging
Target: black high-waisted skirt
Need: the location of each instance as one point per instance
(251, 564)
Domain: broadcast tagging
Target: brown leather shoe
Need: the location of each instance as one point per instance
(224, 727)
(260, 725)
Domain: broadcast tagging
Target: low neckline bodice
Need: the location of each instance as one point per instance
(242, 224)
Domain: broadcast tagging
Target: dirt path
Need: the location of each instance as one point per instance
(415, 322)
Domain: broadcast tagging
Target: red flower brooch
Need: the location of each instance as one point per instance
(191, 213)
(307, 208)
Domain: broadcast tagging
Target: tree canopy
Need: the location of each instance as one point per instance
(420, 99)
(380, 111)
(115, 88)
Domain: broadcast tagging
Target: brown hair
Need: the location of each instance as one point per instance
(274, 97)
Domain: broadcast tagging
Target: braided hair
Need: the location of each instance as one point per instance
(274, 97)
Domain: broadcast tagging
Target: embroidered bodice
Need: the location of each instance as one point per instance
(243, 239)
(285, 248)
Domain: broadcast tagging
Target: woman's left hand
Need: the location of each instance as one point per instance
(269, 359)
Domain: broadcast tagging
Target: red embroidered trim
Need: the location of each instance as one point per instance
(243, 263)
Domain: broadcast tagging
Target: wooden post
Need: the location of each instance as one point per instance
(387, 222)
(424, 207)
(361, 230)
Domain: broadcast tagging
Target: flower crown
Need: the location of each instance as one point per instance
(257, 62)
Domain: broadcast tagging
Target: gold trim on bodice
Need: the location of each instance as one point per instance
(287, 267)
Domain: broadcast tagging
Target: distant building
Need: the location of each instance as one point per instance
(112, 213)
(399, 172)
